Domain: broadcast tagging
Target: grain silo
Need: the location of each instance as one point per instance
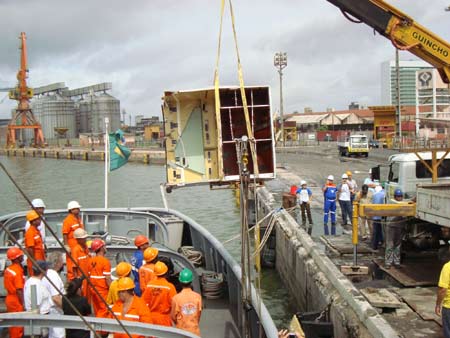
(84, 115)
(104, 105)
(56, 112)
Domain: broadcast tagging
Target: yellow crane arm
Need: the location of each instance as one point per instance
(402, 30)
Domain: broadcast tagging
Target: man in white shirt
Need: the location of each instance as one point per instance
(55, 265)
(43, 299)
(39, 206)
(344, 192)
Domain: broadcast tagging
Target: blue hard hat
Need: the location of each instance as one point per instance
(398, 192)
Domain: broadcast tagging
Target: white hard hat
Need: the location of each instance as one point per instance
(80, 233)
(344, 176)
(38, 203)
(330, 177)
(378, 188)
(303, 182)
(73, 205)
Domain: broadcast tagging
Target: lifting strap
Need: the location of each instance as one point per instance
(241, 86)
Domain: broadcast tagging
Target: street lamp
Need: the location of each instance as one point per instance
(280, 62)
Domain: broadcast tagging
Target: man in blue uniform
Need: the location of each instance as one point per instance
(137, 260)
(329, 205)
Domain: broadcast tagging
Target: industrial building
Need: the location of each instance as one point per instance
(67, 113)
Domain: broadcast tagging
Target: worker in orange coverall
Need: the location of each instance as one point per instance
(14, 282)
(187, 305)
(158, 296)
(33, 240)
(130, 307)
(100, 276)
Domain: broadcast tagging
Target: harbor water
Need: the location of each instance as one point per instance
(134, 185)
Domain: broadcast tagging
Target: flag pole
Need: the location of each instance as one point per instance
(106, 160)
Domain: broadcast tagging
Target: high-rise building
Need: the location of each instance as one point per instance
(407, 81)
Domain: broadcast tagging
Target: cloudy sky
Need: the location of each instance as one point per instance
(147, 46)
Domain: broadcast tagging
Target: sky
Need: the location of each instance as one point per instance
(145, 47)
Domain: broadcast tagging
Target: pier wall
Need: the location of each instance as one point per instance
(141, 156)
(314, 282)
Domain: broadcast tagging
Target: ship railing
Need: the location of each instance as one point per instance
(34, 323)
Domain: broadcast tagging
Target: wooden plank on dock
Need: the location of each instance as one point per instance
(410, 274)
(422, 301)
(343, 245)
(381, 298)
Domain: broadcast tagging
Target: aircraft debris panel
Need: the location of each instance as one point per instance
(201, 147)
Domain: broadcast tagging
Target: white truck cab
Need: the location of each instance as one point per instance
(356, 144)
(406, 171)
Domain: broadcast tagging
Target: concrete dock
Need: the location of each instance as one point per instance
(381, 303)
(146, 156)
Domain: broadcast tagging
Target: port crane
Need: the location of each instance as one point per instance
(403, 31)
(23, 117)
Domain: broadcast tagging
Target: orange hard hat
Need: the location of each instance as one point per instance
(97, 244)
(140, 240)
(150, 254)
(123, 269)
(14, 253)
(349, 173)
(160, 268)
(125, 283)
(32, 215)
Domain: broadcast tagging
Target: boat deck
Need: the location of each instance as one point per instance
(405, 296)
(216, 315)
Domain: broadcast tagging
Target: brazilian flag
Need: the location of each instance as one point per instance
(118, 153)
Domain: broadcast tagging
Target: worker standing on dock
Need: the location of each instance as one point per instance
(123, 269)
(364, 197)
(344, 195)
(100, 277)
(158, 296)
(130, 307)
(377, 230)
(304, 197)
(39, 207)
(443, 299)
(71, 223)
(394, 235)
(33, 240)
(370, 182)
(353, 187)
(80, 254)
(329, 201)
(186, 306)
(14, 281)
(147, 271)
(141, 243)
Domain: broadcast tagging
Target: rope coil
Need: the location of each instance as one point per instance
(194, 256)
(212, 285)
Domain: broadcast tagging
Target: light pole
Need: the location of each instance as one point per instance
(280, 62)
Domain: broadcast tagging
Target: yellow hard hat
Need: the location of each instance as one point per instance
(150, 254)
(123, 269)
(125, 283)
(160, 268)
(349, 173)
(32, 215)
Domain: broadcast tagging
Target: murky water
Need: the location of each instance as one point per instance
(134, 185)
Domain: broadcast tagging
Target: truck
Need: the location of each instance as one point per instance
(356, 144)
(406, 171)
